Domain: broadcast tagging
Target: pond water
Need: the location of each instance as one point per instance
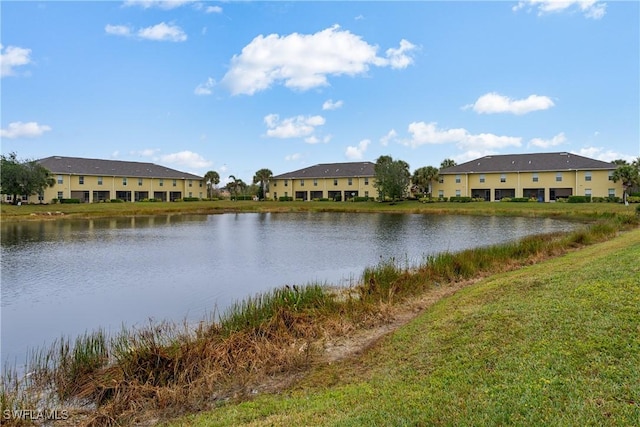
(70, 276)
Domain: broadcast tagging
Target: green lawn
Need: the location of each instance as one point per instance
(556, 343)
(85, 210)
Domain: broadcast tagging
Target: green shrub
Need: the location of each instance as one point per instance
(638, 210)
(361, 199)
(191, 199)
(323, 199)
(633, 199)
(117, 201)
(579, 199)
(285, 199)
(70, 201)
(460, 199)
(519, 199)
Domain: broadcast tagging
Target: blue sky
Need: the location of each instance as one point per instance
(239, 86)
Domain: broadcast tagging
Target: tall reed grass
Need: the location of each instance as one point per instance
(165, 367)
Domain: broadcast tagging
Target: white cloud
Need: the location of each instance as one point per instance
(315, 140)
(330, 105)
(24, 130)
(213, 9)
(292, 127)
(304, 61)
(12, 57)
(600, 153)
(205, 88)
(398, 58)
(356, 153)
(161, 4)
(492, 103)
(163, 32)
(390, 136)
(592, 9)
(148, 152)
(158, 32)
(429, 133)
(186, 158)
(118, 30)
(293, 157)
(546, 143)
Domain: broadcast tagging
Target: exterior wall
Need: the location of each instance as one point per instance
(522, 184)
(310, 188)
(91, 190)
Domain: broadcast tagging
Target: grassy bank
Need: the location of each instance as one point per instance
(579, 211)
(556, 343)
(169, 368)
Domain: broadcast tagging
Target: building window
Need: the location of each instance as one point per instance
(350, 181)
(458, 193)
(124, 181)
(302, 183)
(99, 180)
(275, 195)
(535, 177)
(315, 182)
(610, 175)
(161, 182)
(481, 177)
(457, 179)
(503, 177)
(366, 194)
(286, 183)
(587, 192)
(190, 194)
(335, 182)
(612, 192)
(139, 181)
(200, 185)
(190, 184)
(60, 195)
(275, 183)
(440, 194)
(366, 180)
(175, 182)
(441, 179)
(559, 177)
(587, 176)
(81, 180)
(41, 197)
(60, 180)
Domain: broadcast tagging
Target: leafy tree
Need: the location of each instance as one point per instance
(263, 176)
(424, 176)
(211, 178)
(391, 177)
(629, 174)
(26, 177)
(447, 163)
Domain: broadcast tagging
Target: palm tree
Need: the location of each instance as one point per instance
(447, 163)
(263, 176)
(211, 178)
(629, 175)
(236, 184)
(424, 176)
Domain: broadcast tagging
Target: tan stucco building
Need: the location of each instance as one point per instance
(543, 176)
(96, 180)
(336, 181)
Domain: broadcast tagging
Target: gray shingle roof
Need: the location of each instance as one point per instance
(82, 166)
(538, 162)
(331, 170)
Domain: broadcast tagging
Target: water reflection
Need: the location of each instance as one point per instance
(67, 276)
